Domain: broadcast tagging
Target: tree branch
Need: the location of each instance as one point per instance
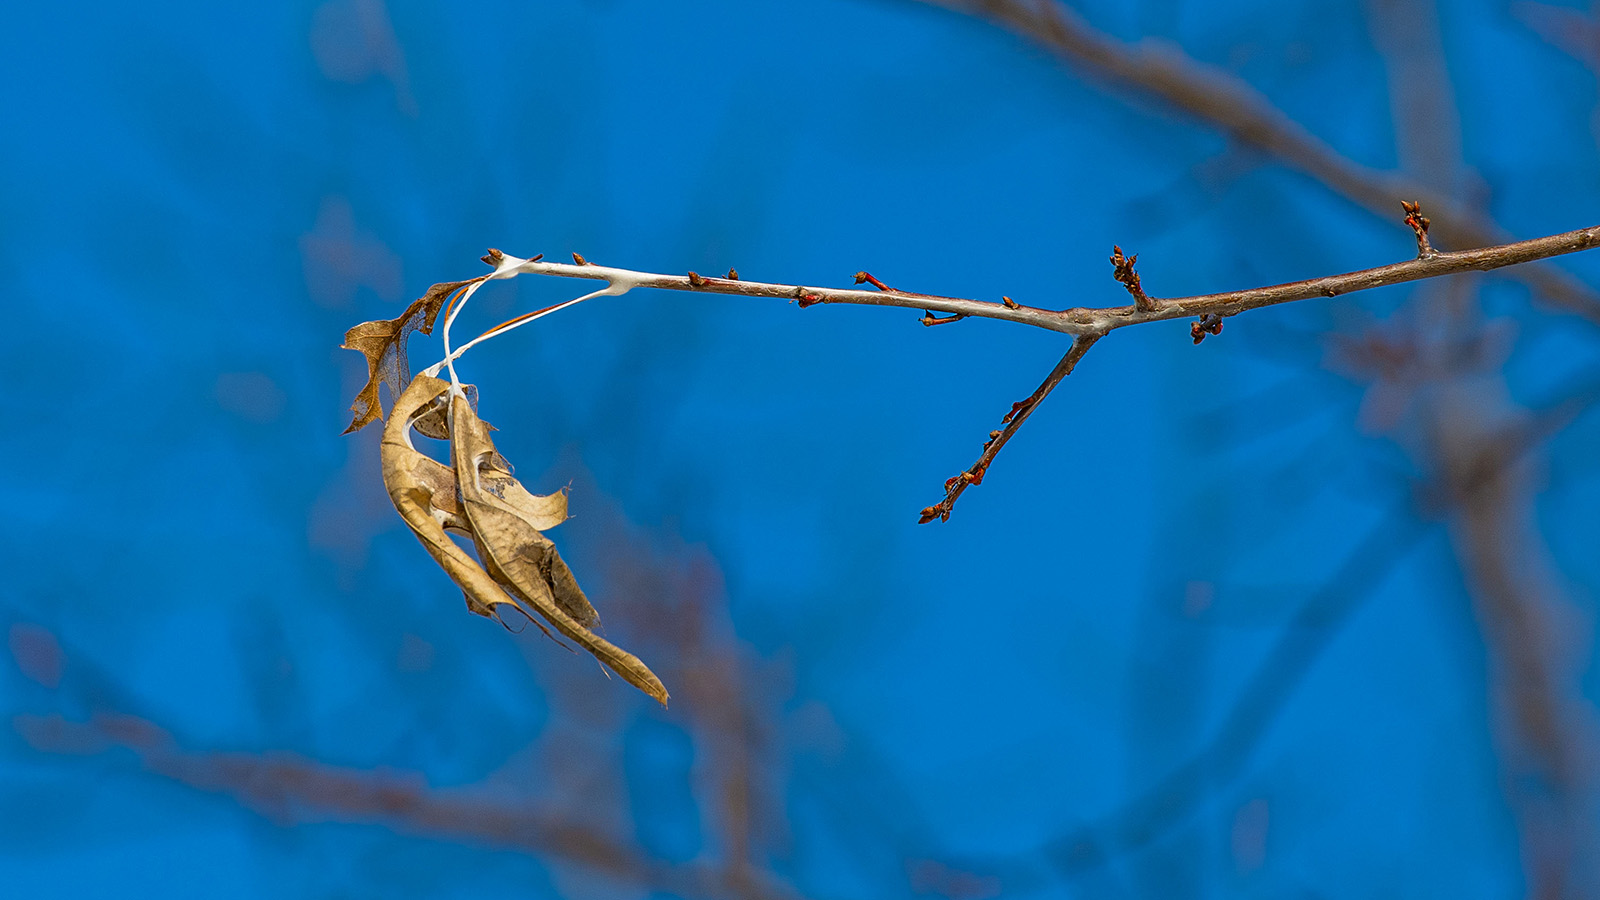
(1085, 324)
(1096, 321)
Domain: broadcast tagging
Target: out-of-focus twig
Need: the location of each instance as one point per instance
(1472, 440)
(1181, 791)
(292, 789)
(1232, 106)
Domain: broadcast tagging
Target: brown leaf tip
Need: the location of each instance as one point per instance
(493, 257)
(383, 342)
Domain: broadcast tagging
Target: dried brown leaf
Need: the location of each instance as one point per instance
(497, 487)
(424, 492)
(383, 342)
(435, 421)
(506, 522)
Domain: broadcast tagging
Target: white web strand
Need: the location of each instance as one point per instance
(614, 287)
(450, 320)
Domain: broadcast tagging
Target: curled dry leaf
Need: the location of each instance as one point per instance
(424, 492)
(434, 421)
(506, 520)
(496, 486)
(384, 344)
(444, 500)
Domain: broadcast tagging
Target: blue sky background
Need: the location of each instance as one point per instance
(198, 201)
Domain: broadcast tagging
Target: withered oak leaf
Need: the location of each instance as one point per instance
(383, 342)
(506, 523)
(424, 492)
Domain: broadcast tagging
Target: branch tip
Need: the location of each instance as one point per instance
(865, 276)
(930, 320)
(1419, 226)
(1122, 270)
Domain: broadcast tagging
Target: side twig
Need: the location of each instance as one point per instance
(1020, 411)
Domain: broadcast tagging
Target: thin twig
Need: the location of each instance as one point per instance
(1020, 411)
(1100, 320)
(1419, 225)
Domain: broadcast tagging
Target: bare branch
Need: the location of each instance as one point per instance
(1086, 324)
(1096, 321)
(1100, 320)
